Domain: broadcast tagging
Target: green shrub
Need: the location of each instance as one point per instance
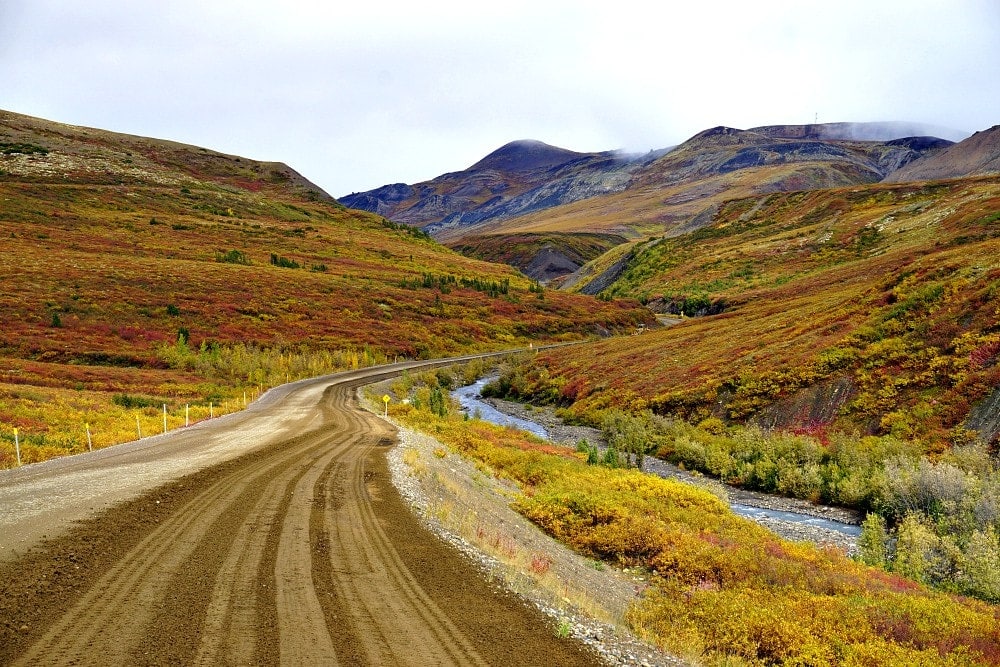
(232, 257)
(131, 402)
(284, 262)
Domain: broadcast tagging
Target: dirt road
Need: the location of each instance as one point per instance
(295, 550)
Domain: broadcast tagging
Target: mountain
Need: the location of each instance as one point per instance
(975, 156)
(531, 187)
(139, 272)
(664, 192)
(518, 178)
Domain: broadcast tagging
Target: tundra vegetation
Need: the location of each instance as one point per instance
(174, 275)
(858, 343)
(723, 590)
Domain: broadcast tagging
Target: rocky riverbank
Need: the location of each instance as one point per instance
(569, 435)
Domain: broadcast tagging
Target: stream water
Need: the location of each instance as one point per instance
(469, 398)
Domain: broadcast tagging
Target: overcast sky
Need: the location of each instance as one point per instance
(378, 92)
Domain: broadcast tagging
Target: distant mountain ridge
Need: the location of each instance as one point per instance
(871, 131)
(976, 156)
(517, 178)
(720, 150)
(528, 177)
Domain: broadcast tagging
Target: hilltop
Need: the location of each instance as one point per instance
(141, 272)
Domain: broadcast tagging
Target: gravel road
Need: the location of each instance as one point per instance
(271, 536)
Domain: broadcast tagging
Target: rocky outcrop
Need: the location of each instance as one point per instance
(607, 277)
(985, 417)
(544, 257)
(810, 406)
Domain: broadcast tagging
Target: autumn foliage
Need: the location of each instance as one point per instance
(189, 277)
(725, 590)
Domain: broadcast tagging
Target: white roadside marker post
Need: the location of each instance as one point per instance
(90, 444)
(17, 447)
(187, 415)
(164, 417)
(138, 427)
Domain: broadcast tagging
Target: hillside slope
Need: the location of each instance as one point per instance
(864, 308)
(141, 272)
(978, 155)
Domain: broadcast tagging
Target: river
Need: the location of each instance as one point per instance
(473, 405)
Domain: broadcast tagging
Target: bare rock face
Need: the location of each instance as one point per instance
(609, 276)
(985, 417)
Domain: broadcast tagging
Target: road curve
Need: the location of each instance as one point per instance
(270, 537)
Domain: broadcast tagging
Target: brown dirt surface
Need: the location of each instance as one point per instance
(299, 551)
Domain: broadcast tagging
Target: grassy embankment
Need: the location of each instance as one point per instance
(725, 591)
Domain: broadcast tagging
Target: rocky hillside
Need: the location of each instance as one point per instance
(544, 257)
(975, 156)
(512, 188)
(518, 178)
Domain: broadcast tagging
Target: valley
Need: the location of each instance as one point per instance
(801, 310)
(832, 335)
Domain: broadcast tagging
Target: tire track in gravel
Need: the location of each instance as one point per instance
(300, 552)
(156, 590)
(366, 561)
